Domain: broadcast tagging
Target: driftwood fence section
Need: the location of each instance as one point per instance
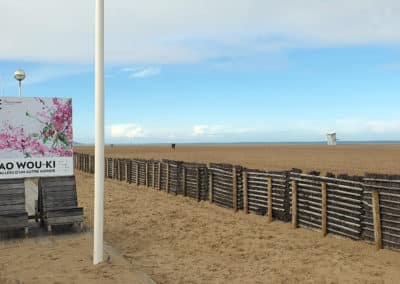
(384, 191)
(330, 204)
(360, 208)
(226, 186)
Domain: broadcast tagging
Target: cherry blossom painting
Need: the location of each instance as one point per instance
(35, 136)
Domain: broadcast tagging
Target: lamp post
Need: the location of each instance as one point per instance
(98, 245)
(19, 75)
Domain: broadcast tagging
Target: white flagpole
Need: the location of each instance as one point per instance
(98, 253)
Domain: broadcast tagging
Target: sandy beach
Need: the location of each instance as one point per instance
(174, 239)
(351, 159)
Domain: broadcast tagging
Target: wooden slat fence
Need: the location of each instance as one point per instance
(388, 188)
(227, 187)
(340, 205)
(257, 184)
(344, 207)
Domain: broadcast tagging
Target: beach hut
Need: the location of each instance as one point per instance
(331, 137)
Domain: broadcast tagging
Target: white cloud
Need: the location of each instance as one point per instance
(146, 72)
(158, 31)
(206, 130)
(126, 130)
(199, 130)
(357, 126)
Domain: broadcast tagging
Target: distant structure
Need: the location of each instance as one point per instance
(331, 137)
(173, 146)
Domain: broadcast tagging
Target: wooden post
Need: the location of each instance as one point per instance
(146, 179)
(112, 168)
(269, 199)
(153, 181)
(126, 170)
(184, 181)
(159, 176)
(377, 220)
(198, 184)
(234, 191)
(167, 180)
(210, 185)
(245, 194)
(137, 173)
(323, 209)
(294, 204)
(119, 170)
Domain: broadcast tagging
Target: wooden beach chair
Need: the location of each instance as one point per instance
(13, 215)
(58, 204)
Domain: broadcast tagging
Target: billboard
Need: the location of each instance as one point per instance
(35, 137)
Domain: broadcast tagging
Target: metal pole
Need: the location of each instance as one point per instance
(98, 254)
(19, 84)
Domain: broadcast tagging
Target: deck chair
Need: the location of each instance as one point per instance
(13, 215)
(57, 203)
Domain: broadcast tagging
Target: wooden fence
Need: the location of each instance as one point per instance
(360, 208)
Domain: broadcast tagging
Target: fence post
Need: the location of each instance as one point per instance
(146, 180)
(153, 180)
(184, 180)
(126, 170)
(137, 173)
(198, 184)
(159, 175)
(210, 185)
(294, 204)
(245, 194)
(167, 182)
(119, 170)
(377, 220)
(323, 209)
(270, 199)
(234, 191)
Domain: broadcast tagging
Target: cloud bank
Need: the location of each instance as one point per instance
(181, 31)
(126, 131)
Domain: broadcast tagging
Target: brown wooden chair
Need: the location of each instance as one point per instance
(58, 203)
(13, 215)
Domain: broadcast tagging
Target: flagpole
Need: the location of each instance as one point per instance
(98, 249)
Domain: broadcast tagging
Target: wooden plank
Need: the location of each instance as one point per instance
(294, 204)
(323, 209)
(184, 181)
(167, 180)
(146, 180)
(210, 185)
(198, 185)
(159, 176)
(153, 180)
(235, 189)
(126, 171)
(269, 199)
(137, 173)
(245, 194)
(377, 220)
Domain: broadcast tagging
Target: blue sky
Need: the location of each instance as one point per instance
(184, 73)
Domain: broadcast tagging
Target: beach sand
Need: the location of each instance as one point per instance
(351, 159)
(178, 240)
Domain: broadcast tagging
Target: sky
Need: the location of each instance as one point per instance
(189, 71)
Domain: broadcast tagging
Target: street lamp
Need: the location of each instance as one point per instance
(19, 75)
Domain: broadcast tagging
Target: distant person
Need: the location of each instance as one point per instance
(173, 146)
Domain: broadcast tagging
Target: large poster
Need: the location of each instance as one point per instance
(35, 137)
